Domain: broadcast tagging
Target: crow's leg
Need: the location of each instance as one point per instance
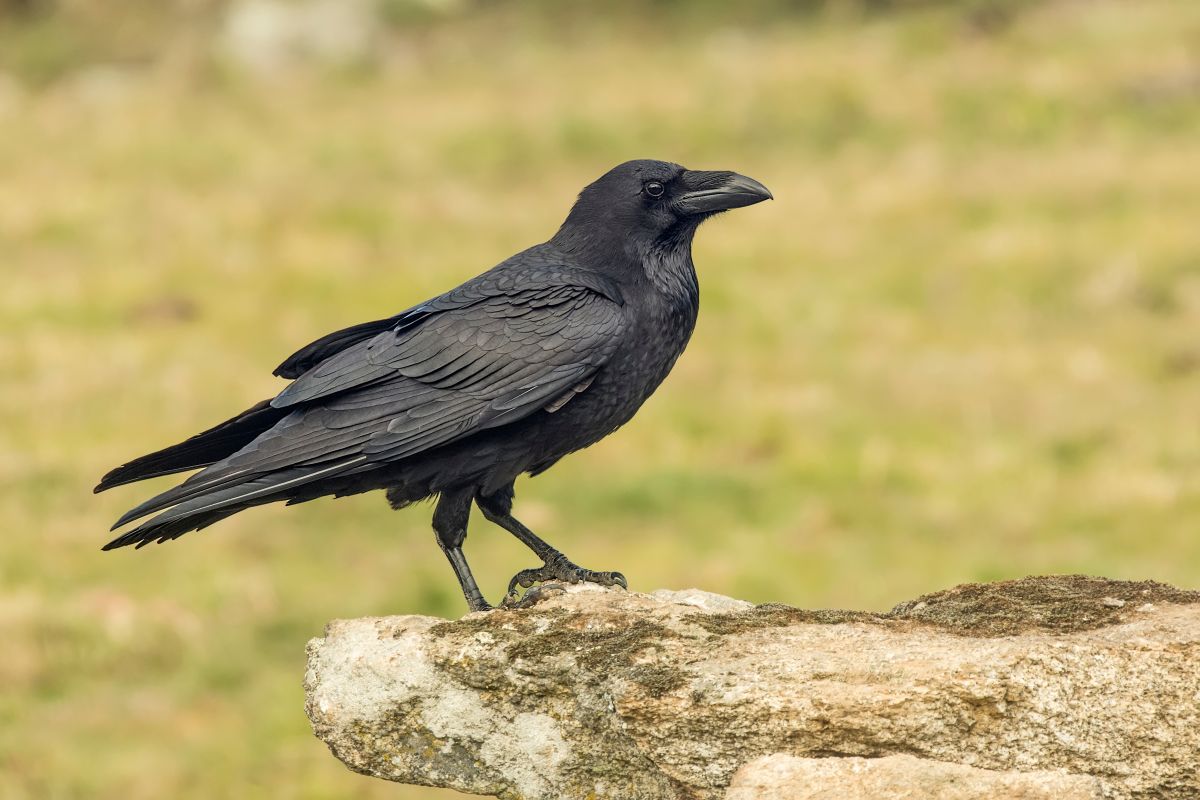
(450, 523)
(497, 508)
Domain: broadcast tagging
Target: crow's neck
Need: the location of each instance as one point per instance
(667, 264)
(664, 264)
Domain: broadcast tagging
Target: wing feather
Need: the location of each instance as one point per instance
(475, 362)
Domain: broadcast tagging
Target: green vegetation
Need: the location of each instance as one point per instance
(961, 344)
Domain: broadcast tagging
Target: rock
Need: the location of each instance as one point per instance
(1042, 687)
(784, 777)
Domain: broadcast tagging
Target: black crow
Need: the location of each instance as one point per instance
(544, 354)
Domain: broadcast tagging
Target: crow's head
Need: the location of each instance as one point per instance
(646, 202)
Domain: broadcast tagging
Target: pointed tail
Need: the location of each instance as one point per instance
(201, 450)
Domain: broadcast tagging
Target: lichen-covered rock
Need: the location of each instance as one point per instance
(784, 777)
(608, 694)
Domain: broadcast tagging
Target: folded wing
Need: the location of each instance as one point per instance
(464, 366)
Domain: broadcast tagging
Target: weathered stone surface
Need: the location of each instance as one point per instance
(784, 777)
(606, 694)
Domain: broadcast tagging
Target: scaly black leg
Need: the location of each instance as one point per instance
(450, 523)
(497, 508)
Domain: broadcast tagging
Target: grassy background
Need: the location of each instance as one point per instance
(960, 345)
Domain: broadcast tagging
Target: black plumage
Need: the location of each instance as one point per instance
(542, 355)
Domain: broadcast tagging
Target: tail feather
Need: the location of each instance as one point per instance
(201, 450)
(166, 530)
(199, 485)
(210, 506)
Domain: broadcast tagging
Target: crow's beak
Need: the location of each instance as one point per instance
(708, 192)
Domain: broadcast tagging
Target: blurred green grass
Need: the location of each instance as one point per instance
(960, 345)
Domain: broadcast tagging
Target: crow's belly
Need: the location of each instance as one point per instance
(614, 396)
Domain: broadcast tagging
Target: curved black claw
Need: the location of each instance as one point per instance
(560, 569)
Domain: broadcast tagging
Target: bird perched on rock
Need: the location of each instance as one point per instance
(544, 354)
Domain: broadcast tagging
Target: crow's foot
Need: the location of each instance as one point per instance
(558, 568)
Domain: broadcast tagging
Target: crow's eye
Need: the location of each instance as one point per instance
(654, 189)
